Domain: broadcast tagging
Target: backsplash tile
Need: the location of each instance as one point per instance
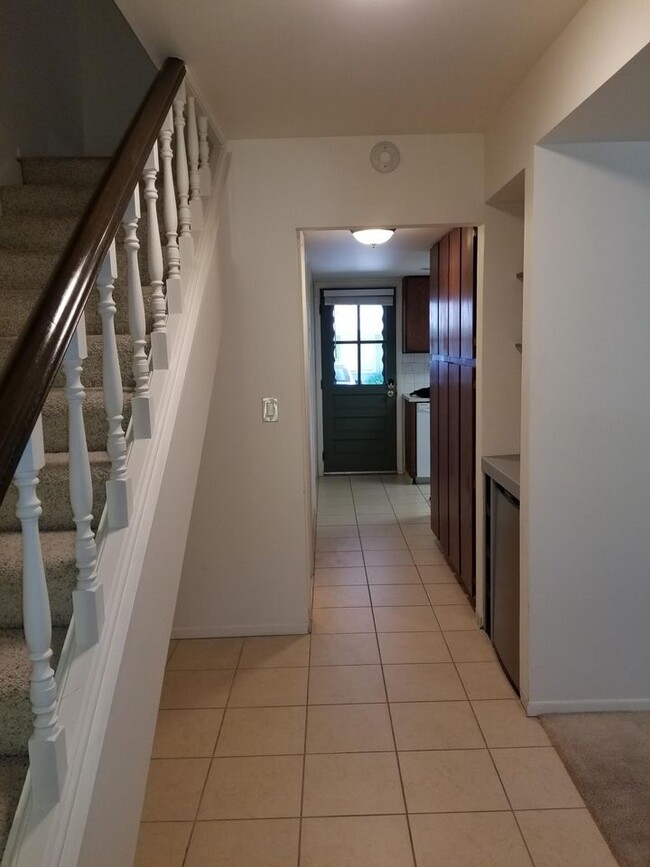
(415, 373)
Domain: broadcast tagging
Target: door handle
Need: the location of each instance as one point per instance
(391, 388)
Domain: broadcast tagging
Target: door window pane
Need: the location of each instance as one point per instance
(345, 322)
(372, 321)
(372, 364)
(346, 364)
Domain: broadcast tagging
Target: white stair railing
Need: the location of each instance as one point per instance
(140, 403)
(170, 217)
(159, 347)
(118, 486)
(47, 752)
(196, 204)
(182, 172)
(205, 175)
(181, 216)
(87, 599)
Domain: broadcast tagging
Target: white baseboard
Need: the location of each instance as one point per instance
(301, 628)
(539, 708)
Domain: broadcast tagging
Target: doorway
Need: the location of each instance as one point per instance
(358, 349)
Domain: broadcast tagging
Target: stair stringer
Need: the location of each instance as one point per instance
(109, 693)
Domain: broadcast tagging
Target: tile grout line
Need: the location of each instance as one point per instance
(205, 781)
(489, 752)
(392, 728)
(304, 743)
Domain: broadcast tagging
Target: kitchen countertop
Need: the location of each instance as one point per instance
(410, 399)
(504, 469)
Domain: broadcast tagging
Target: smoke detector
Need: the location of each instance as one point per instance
(385, 157)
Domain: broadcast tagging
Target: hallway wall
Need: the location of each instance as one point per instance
(587, 427)
(247, 566)
(601, 39)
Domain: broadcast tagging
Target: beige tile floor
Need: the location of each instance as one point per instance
(387, 738)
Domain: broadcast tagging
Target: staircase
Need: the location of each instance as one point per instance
(37, 219)
(107, 347)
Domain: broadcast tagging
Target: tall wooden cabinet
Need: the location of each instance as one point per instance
(452, 318)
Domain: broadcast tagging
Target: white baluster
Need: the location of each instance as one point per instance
(159, 347)
(170, 217)
(118, 487)
(47, 750)
(196, 205)
(205, 175)
(140, 404)
(182, 176)
(87, 599)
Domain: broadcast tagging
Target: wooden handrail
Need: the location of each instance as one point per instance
(29, 372)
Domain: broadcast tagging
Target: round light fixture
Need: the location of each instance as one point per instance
(372, 237)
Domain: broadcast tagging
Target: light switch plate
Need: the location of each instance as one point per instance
(270, 409)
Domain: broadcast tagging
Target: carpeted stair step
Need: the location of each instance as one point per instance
(38, 199)
(59, 558)
(45, 233)
(68, 171)
(92, 373)
(16, 305)
(53, 492)
(50, 234)
(55, 419)
(15, 711)
(29, 270)
(13, 770)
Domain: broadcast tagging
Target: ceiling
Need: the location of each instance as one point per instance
(280, 68)
(334, 253)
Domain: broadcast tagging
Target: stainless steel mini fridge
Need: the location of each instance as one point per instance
(504, 578)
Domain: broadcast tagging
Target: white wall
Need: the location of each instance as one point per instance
(601, 39)
(40, 91)
(247, 564)
(74, 74)
(115, 74)
(586, 546)
(498, 375)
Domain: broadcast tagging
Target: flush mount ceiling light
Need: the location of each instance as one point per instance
(372, 237)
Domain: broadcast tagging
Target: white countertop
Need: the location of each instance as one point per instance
(410, 399)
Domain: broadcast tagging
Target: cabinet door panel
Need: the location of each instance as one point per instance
(453, 373)
(415, 314)
(454, 293)
(468, 294)
(433, 299)
(467, 478)
(443, 297)
(435, 450)
(443, 454)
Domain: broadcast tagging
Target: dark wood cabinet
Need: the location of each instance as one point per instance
(452, 313)
(415, 314)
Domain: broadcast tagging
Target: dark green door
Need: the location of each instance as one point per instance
(359, 394)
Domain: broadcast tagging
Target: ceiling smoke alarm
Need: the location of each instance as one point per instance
(385, 157)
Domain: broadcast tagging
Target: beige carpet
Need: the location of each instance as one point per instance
(608, 757)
